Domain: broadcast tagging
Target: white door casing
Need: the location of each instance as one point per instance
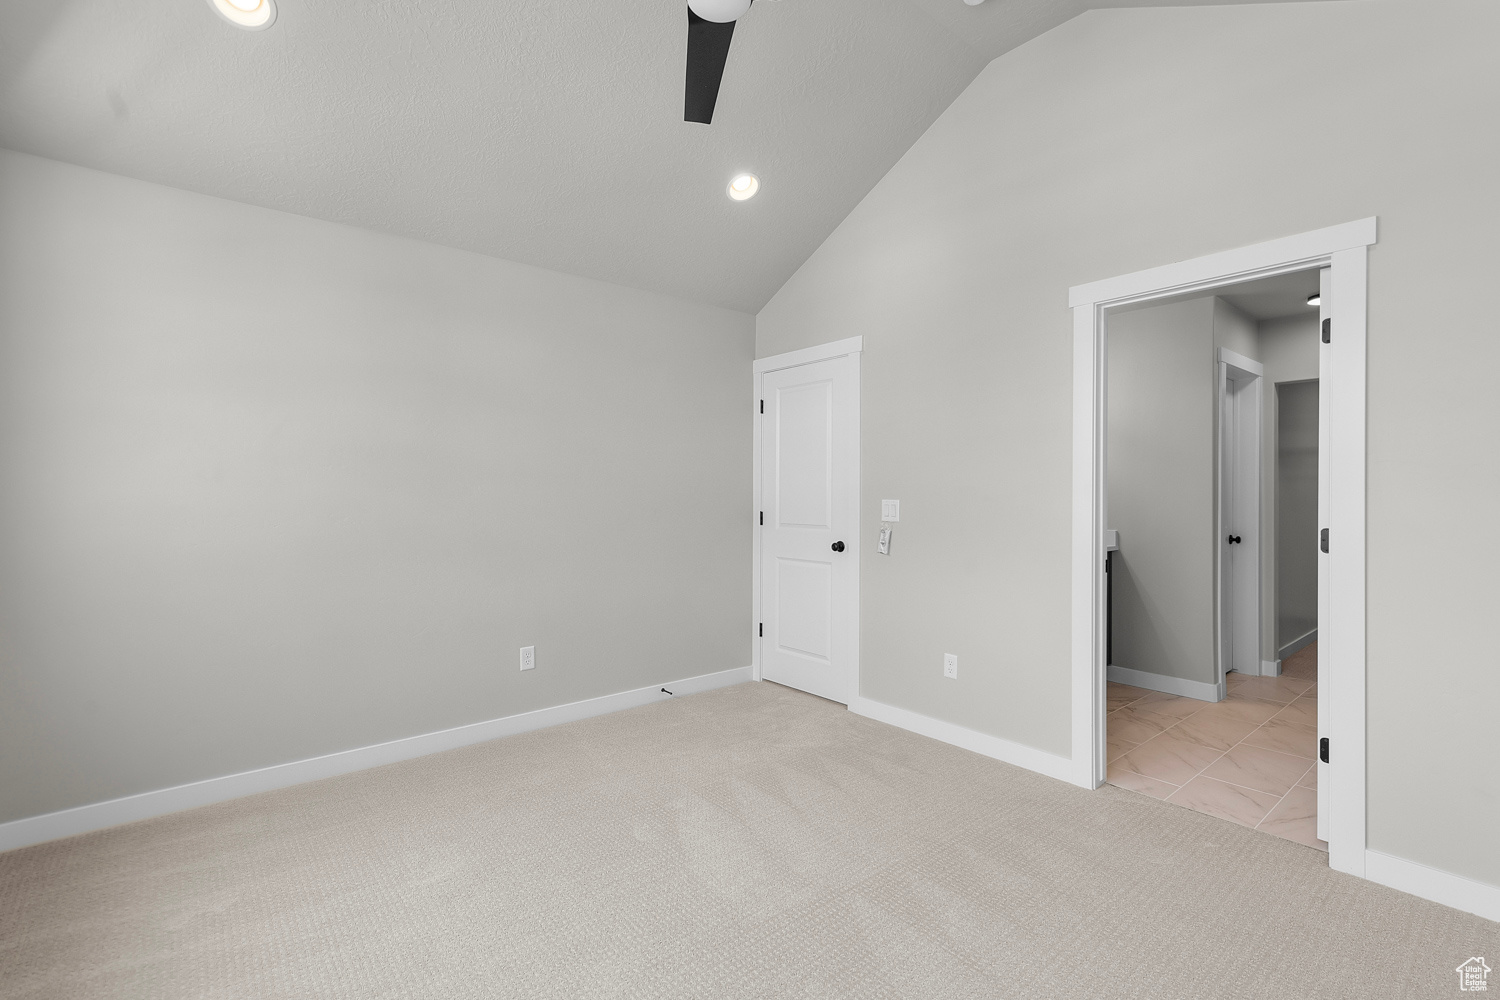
(1344, 251)
(1241, 395)
(807, 524)
(1325, 313)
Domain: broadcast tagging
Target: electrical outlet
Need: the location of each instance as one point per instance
(528, 657)
(950, 666)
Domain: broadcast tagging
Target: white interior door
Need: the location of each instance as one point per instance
(809, 491)
(1240, 400)
(1325, 384)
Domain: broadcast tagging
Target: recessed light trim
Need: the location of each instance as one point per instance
(1315, 299)
(252, 15)
(743, 187)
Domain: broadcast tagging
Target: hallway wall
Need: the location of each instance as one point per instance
(1160, 480)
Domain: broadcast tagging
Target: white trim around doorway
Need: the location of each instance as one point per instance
(1344, 249)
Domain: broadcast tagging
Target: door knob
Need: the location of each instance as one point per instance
(1234, 539)
(838, 546)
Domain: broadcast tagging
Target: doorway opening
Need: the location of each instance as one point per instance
(1338, 256)
(1197, 711)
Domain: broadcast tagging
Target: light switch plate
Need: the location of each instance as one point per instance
(890, 510)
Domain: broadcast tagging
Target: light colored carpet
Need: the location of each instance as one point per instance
(748, 842)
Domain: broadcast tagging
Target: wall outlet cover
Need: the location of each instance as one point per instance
(528, 657)
(950, 666)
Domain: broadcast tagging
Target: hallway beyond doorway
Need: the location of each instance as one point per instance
(1250, 759)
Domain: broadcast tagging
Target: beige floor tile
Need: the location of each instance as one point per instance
(1167, 709)
(1128, 724)
(1119, 746)
(1302, 669)
(1295, 818)
(1120, 695)
(1303, 711)
(1278, 689)
(1286, 737)
(1242, 709)
(1257, 768)
(1310, 778)
(1240, 805)
(1168, 759)
(1302, 663)
(1217, 731)
(1123, 778)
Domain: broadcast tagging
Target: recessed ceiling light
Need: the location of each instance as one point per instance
(250, 14)
(1315, 299)
(744, 186)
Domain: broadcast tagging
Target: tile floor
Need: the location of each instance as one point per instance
(1249, 759)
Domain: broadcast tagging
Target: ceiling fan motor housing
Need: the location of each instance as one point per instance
(719, 11)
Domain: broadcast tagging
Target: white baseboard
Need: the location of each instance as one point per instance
(1270, 668)
(98, 815)
(1018, 754)
(1201, 690)
(1296, 644)
(1431, 883)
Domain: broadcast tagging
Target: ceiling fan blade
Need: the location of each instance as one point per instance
(708, 50)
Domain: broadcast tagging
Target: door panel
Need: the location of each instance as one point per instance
(1239, 517)
(1225, 522)
(809, 490)
(804, 455)
(804, 606)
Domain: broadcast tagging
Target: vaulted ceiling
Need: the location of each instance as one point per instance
(543, 131)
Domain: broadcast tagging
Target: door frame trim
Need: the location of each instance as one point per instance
(1345, 250)
(778, 362)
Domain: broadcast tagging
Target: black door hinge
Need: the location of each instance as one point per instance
(762, 630)
(1327, 334)
(763, 406)
(1323, 540)
(1323, 749)
(762, 517)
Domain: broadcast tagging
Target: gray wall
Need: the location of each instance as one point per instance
(1235, 331)
(1161, 489)
(1289, 353)
(956, 267)
(1296, 510)
(272, 487)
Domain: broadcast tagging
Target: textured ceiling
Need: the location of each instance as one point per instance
(542, 131)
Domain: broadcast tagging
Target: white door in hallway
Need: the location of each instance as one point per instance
(1241, 393)
(809, 551)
